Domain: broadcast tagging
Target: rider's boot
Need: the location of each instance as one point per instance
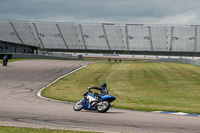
(94, 103)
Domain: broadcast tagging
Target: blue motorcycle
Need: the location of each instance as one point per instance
(94, 101)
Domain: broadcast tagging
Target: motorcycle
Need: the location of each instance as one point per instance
(5, 63)
(94, 101)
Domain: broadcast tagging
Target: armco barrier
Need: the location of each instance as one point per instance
(188, 61)
(17, 55)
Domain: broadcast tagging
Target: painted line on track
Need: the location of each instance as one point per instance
(39, 94)
(176, 113)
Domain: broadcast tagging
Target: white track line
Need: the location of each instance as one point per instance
(39, 93)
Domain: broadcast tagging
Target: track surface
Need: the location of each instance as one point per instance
(20, 106)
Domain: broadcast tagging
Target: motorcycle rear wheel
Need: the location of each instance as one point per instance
(78, 106)
(105, 105)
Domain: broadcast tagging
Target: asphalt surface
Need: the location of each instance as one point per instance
(20, 106)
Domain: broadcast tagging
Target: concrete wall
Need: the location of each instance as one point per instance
(35, 56)
(6, 47)
(17, 55)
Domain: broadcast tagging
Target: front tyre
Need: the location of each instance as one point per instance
(78, 106)
(103, 107)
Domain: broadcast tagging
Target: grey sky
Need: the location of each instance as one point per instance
(179, 12)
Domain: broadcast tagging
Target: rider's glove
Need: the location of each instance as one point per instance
(89, 88)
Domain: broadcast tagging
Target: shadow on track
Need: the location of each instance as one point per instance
(109, 112)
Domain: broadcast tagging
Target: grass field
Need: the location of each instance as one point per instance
(145, 86)
(112, 59)
(4, 129)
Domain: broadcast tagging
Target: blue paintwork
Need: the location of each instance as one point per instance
(110, 98)
(93, 95)
(185, 114)
(87, 106)
(193, 114)
(106, 97)
(166, 112)
(85, 94)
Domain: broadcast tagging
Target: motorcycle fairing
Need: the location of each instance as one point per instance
(85, 93)
(109, 98)
(86, 105)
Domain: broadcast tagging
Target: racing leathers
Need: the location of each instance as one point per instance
(104, 90)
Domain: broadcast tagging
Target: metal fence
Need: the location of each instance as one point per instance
(188, 61)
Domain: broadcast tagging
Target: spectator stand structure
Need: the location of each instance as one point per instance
(102, 37)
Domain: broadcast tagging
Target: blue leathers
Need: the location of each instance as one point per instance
(104, 90)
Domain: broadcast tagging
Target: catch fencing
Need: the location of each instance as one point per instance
(188, 61)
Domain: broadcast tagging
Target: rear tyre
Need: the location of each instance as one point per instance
(4, 63)
(105, 105)
(78, 106)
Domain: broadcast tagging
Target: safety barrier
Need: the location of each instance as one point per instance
(38, 56)
(188, 61)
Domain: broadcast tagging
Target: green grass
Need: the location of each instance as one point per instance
(4, 129)
(94, 59)
(145, 86)
(13, 60)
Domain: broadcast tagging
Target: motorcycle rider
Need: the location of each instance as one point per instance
(103, 89)
(5, 60)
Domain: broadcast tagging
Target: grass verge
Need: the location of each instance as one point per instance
(94, 59)
(145, 86)
(13, 60)
(4, 129)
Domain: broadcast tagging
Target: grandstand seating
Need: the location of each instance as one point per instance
(189, 39)
(26, 34)
(94, 37)
(7, 33)
(159, 38)
(198, 40)
(114, 36)
(140, 40)
(82, 36)
(72, 35)
(50, 36)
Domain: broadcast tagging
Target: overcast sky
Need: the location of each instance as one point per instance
(179, 12)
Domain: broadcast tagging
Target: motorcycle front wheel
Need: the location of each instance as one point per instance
(78, 106)
(103, 107)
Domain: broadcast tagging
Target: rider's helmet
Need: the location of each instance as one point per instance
(104, 85)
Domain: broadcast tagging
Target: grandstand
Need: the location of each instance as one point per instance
(103, 37)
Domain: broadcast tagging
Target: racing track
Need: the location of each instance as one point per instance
(20, 106)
